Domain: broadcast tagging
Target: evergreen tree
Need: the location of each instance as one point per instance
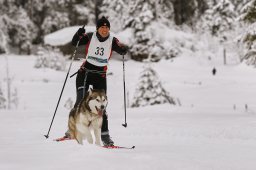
(55, 21)
(150, 91)
(82, 13)
(248, 15)
(3, 41)
(141, 16)
(115, 11)
(20, 29)
(218, 19)
(248, 36)
(39, 17)
(187, 12)
(241, 7)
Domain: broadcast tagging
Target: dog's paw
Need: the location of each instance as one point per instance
(97, 143)
(90, 140)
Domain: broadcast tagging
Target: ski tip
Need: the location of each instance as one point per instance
(46, 136)
(118, 147)
(62, 139)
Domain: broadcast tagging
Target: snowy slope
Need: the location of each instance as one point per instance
(204, 133)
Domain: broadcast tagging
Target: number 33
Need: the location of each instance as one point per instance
(99, 51)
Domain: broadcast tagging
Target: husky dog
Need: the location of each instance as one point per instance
(88, 114)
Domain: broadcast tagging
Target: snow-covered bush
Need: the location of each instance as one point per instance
(150, 90)
(2, 100)
(172, 52)
(250, 58)
(69, 104)
(48, 57)
(10, 101)
(14, 99)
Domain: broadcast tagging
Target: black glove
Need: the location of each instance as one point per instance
(80, 31)
(124, 49)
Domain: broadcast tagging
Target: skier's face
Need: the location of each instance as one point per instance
(103, 31)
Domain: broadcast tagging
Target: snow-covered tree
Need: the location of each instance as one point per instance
(143, 19)
(115, 11)
(20, 29)
(219, 18)
(48, 57)
(141, 16)
(187, 12)
(150, 91)
(3, 41)
(55, 21)
(248, 34)
(82, 14)
(248, 44)
(241, 7)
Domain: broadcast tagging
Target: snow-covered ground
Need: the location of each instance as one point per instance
(211, 130)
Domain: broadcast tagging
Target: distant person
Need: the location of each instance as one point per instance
(98, 47)
(214, 71)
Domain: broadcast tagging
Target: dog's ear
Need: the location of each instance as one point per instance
(90, 89)
(104, 92)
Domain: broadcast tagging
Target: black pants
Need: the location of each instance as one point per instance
(98, 81)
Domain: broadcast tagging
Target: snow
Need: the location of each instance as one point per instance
(205, 132)
(211, 129)
(64, 36)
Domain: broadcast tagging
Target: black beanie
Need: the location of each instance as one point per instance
(103, 22)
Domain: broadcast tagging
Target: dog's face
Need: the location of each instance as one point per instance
(97, 101)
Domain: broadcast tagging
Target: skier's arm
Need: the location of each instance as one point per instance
(119, 47)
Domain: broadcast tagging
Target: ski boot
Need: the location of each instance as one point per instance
(106, 140)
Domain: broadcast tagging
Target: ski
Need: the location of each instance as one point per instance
(118, 147)
(62, 139)
(107, 147)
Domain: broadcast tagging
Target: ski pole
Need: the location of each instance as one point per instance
(73, 56)
(125, 124)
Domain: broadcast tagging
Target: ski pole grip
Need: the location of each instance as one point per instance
(84, 31)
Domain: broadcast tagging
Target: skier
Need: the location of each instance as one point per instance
(98, 47)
